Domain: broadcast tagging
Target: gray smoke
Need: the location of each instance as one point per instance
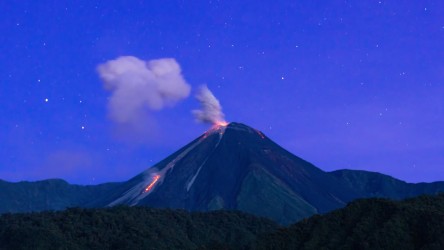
(139, 86)
(211, 110)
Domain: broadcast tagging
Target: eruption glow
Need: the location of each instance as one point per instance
(221, 123)
(151, 185)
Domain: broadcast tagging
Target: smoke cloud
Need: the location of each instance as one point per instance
(139, 86)
(211, 110)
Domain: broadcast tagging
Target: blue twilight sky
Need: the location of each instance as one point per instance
(343, 84)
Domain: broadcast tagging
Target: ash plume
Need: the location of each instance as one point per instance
(138, 86)
(211, 110)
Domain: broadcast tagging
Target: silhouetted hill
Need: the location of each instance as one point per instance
(130, 228)
(375, 223)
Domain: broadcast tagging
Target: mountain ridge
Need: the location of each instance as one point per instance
(51, 194)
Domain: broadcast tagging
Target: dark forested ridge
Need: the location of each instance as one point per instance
(130, 228)
(375, 223)
(416, 223)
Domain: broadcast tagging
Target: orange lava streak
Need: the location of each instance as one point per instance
(149, 187)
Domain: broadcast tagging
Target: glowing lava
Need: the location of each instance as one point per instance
(149, 187)
(217, 126)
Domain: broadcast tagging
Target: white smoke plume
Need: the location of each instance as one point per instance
(139, 86)
(211, 110)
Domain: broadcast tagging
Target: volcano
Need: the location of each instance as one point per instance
(235, 167)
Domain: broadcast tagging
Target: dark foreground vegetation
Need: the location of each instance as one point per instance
(416, 223)
(129, 228)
